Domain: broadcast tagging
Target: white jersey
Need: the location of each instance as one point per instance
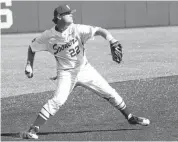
(67, 47)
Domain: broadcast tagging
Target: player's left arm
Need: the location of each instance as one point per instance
(116, 47)
(105, 34)
(87, 32)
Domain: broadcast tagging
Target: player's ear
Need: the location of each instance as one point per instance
(59, 17)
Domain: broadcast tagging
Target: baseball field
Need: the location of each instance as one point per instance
(147, 79)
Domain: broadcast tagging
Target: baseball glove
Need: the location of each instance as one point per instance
(116, 51)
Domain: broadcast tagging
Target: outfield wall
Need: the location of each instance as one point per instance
(36, 16)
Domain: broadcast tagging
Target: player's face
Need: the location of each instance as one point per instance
(67, 18)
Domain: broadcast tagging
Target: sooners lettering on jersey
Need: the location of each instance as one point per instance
(68, 45)
(60, 47)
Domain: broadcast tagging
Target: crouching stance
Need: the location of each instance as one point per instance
(66, 42)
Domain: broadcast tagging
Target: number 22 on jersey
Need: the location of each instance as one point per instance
(75, 51)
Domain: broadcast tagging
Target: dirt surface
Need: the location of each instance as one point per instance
(87, 117)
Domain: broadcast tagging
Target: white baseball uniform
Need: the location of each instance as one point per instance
(72, 66)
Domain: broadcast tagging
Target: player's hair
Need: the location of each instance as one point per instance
(55, 20)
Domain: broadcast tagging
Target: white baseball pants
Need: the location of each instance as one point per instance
(87, 77)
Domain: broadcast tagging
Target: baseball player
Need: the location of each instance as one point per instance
(66, 42)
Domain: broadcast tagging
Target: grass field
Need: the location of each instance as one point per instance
(147, 80)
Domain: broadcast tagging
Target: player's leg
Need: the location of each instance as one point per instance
(65, 84)
(92, 80)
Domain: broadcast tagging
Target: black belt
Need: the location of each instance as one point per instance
(73, 68)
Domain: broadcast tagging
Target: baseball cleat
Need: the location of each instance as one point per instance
(138, 120)
(31, 133)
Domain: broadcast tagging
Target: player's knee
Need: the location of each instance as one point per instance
(60, 97)
(53, 105)
(59, 101)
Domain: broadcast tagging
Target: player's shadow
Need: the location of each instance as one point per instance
(17, 135)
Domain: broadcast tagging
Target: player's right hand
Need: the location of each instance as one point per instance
(28, 71)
